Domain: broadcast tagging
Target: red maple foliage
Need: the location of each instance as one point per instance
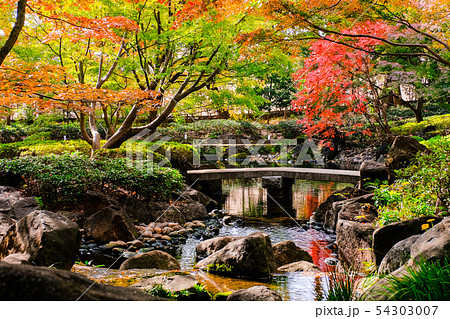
(335, 84)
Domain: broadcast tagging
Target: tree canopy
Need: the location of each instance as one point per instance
(127, 64)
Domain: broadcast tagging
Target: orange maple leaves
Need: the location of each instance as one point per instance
(91, 28)
(46, 87)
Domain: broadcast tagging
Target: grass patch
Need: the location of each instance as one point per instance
(341, 287)
(429, 281)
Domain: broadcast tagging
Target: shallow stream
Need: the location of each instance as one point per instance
(248, 201)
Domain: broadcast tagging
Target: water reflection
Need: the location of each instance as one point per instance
(298, 286)
(247, 198)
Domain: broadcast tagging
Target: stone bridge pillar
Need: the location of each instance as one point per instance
(279, 193)
(211, 188)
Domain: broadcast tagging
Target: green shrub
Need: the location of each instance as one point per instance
(178, 151)
(63, 180)
(41, 136)
(289, 129)
(11, 150)
(12, 133)
(441, 122)
(419, 186)
(36, 146)
(429, 281)
(69, 131)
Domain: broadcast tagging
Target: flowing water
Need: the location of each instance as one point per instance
(247, 200)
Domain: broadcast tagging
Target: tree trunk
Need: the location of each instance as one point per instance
(124, 132)
(94, 131)
(418, 110)
(83, 130)
(15, 32)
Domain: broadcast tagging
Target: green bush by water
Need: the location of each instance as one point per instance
(64, 180)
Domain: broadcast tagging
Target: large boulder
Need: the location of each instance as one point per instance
(287, 252)
(192, 194)
(5, 224)
(370, 171)
(434, 244)
(30, 283)
(95, 201)
(156, 259)
(136, 209)
(327, 213)
(251, 256)
(303, 265)
(192, 210)
(210, 246)
(8, 197)
(397, 256)
(13, 204)
(360, 209)
(324, 207)
(379, 291)
(49, 239)
(110, 224)
(23, 207)
(256, 293)
(386, 237)
(401, 153)
(183, 212)
(354, 241)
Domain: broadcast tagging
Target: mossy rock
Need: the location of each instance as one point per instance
(219, 269)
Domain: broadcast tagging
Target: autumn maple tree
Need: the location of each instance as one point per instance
(126, 65)
(117, 61)
(337, 87)
(47, 86)
(418, 36)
